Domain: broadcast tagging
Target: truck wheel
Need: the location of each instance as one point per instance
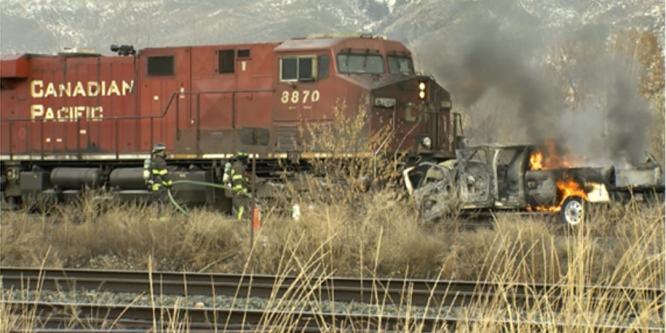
(572, 211)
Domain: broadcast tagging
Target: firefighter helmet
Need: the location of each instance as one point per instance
(240, 157)
(159, 148)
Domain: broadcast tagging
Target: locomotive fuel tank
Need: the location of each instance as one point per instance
(76, 178)
(127, 179)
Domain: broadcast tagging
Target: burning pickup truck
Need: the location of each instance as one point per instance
(520, 178)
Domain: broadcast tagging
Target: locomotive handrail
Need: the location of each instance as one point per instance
(160, 115)
(388, 137)
(116, 119)
(418, 122)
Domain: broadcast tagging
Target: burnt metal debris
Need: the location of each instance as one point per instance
(496, 177)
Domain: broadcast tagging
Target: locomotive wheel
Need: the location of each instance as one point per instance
(573, 211)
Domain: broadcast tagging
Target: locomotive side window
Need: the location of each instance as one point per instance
(298, 68)
(400, 65)
(352, 63)
(322, 65)
(289, 69)
(160, 65)
(226, 63)
(245, 53)
(305, 69)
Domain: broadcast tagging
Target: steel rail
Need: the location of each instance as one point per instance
(122, 330)
(416, 292)
(380, 291)
(302, 321)
(222, 317)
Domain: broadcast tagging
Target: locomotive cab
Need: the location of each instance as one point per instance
(364, 74)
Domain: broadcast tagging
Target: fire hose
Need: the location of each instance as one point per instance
(175, 204)
(193, 182)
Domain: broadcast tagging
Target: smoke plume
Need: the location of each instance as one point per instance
(519, 82)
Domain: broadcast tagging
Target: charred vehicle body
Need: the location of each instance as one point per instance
(82, 120)
(513, 178)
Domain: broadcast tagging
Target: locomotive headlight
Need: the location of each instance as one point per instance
(385, 102)
(423, 90)
(426, 142)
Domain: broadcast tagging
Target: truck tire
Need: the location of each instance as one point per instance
(573, 211)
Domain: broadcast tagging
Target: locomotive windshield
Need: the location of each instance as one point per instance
(351, 63)
(400, 65)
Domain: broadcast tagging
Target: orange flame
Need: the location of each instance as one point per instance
(549, 156)
(566, 188)
(570, 188)
(536, 160)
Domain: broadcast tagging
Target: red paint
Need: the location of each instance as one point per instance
(214, 110)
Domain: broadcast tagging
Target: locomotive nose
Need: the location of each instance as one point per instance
(420, 92)
(417, 111)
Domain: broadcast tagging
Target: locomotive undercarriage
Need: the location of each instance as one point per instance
(57, 182)
(46, 183)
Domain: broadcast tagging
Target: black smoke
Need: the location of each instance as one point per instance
(522, 82)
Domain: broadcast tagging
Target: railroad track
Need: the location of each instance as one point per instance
(232, 320)
(415, 292)
(401, 293)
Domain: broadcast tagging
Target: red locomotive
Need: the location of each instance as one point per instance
(79, 119)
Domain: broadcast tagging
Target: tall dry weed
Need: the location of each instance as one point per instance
(376, 234)
(123, 236)
(9, 320)
(350, 157)
(620, 246)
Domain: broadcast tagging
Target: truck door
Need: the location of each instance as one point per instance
(476, 180)
(510, 166)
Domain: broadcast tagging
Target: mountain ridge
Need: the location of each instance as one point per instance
(54, 25)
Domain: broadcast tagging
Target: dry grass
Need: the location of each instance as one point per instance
(8, 321)
(621, 245)
(376, 234)
(123, 236)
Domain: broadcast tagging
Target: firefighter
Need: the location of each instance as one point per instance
(156, 173)
(236, 178)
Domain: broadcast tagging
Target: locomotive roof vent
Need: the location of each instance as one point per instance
(346, 35)
(123, 50)
(78, 52)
